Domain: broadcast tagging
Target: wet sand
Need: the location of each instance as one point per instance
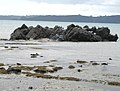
(92, 77)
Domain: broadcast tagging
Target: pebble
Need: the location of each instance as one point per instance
(30, 87)
(110, 58)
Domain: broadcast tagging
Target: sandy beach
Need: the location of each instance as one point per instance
(93, 75)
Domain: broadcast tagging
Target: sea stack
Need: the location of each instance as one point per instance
(74, 33)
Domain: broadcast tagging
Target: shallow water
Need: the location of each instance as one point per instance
(64, 51)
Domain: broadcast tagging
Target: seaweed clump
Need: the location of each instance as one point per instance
(1, 64)
(114, 83)
(81, 62)
(3, 71)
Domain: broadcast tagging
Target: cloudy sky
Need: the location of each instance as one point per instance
(60, 7)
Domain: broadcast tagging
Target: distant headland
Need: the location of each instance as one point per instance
(65, 18)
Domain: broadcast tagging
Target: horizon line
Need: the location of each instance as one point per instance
(63, 15)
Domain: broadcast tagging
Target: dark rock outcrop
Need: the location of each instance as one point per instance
(38, 32)
(95, 38)
(112, 37)
(57, 33)
(20, 33)
(103, 32)
(73, 33)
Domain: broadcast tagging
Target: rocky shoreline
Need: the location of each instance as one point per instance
(43, 72)
(74, 33)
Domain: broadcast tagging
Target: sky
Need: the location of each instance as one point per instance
(60, 7)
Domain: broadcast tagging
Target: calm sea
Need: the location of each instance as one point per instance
(8, 26)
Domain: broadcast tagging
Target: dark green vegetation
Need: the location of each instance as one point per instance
(1, 64)
(3, 71)
(66, 18)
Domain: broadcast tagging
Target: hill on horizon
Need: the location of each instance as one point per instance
(65, 18)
